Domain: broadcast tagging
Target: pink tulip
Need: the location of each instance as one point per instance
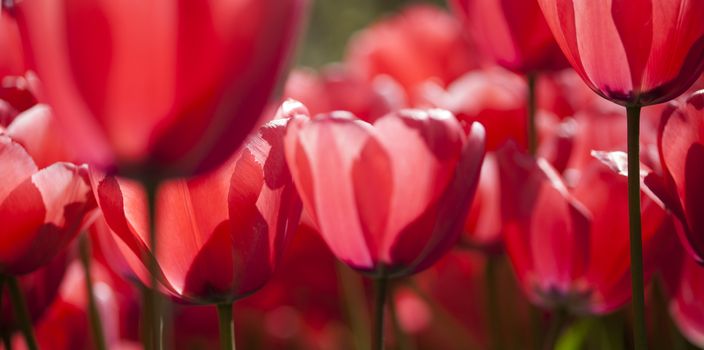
(392, 195)
(681, 147)
(336, 87)
(686, 306)
(419, 44)
(158, 89)
(632, 52)
(12, 57)
(513, 33)
(570, 246)
(41, 209)
(221, 234)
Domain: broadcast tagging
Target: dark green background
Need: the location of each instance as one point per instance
(332, 22)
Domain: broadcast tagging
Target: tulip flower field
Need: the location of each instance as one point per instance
(469, 174)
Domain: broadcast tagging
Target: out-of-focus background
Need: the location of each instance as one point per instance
(332, 22)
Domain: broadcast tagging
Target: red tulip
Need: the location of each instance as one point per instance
(222, 234)
(39, 288)
(159, 89)
(300, 307)
(120, 277)
(483, 226)
(681, 146)
(37, 131)
(686, 305)
(41, 209)
(632, 52)
(570, 246)
(12, 58)
(513, 33)
(392, 195)
(338, 88)
(66, 324)
(421, 43)
(493, 97)
(17, 94)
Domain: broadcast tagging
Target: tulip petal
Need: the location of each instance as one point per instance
(431, 143)
(321, 154)
(43, 215)
(16, 165)
(681, 144)
(448, 214)
(36, 130)
(547, 230)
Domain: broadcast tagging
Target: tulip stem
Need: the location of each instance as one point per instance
(353, 299)
(152, 300)
(227, 326)
(381, 284)
(637, 285)
(532, 111)
(95, 321)
(557, 321)
(19, 307)
(6, 335)
(492, 309)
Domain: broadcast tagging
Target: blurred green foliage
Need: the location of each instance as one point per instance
(333, 22)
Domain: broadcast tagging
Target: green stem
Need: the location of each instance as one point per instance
(150, 294)
(381, 284)
(6, 335)
(493, 312)
(637, 284)
(93, 314)
(353, 300)
(227, 326)
(19, 307)
(556, 322)
(532, 111)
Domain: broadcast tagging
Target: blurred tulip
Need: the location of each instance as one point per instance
(483, 226)
(392, 195)
(17, 94)
(493, 97)
(570, 247)
(686, 305)
(37, 131)
(120, 277)
(681, 146)
(237, 219)
(420, 43)
(12, 58)
(338, 88)
(65, 325)
(158, 89)
(39, 288)
(299, 308)
(307, 286)
(449, 296)
(513, 33)
(41, 209)
(632, 52)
